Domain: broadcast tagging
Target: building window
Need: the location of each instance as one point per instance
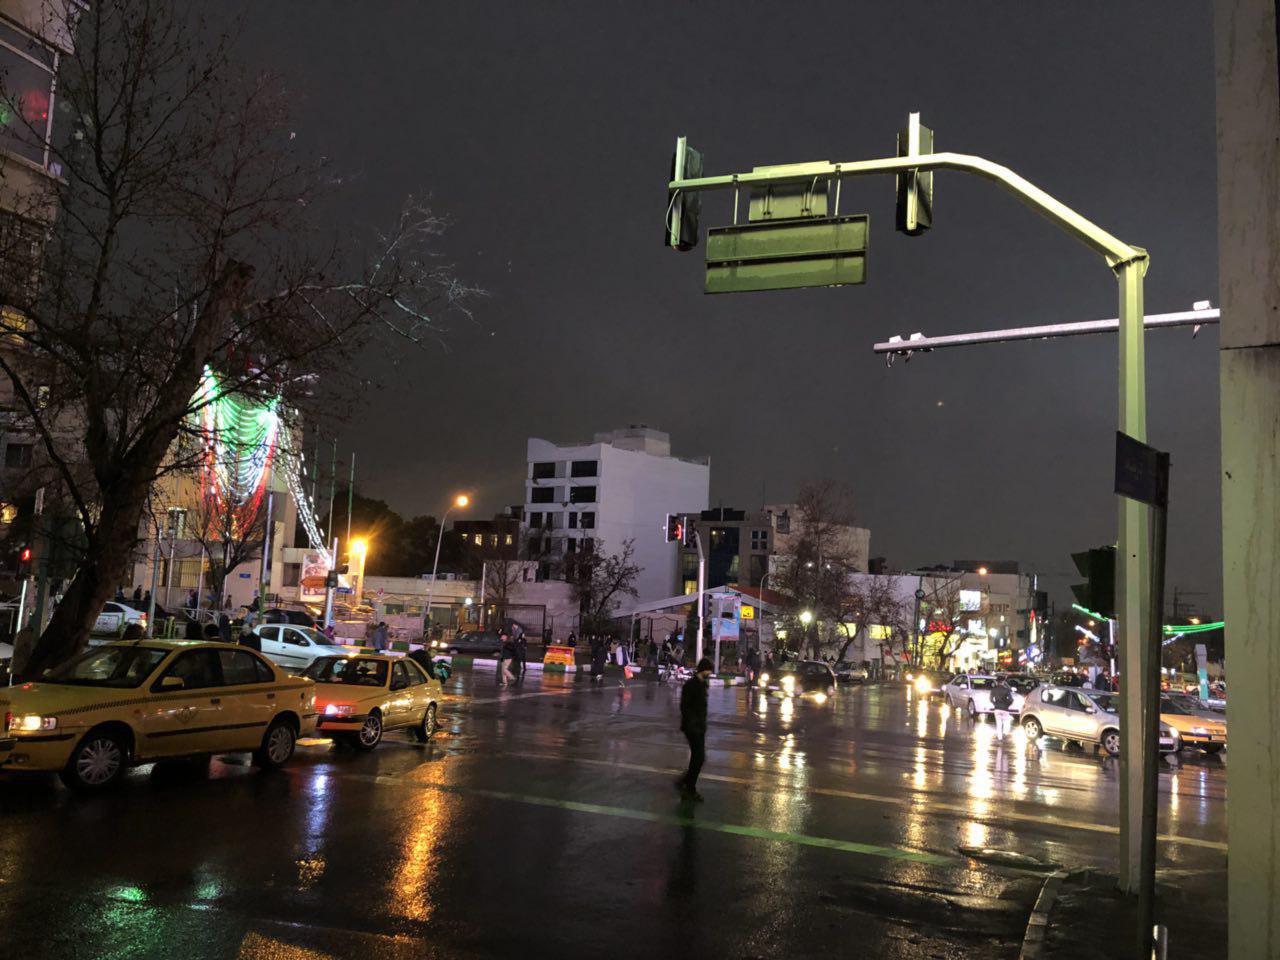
(571, 546)
(17, 455)
(688, 565)
(584, 468)
(573, 521)
(535, 518)
(718, 537)
(508, 540)
(535, 546)
(544, 471)
(588, 545)
(759, 539)
(8, 513)
(582, 494)
(26, 108)
(555, 521)
(543, 495)
(690, 586)
(292, 574)
(178, 522)
(587, 520)
(479, 539)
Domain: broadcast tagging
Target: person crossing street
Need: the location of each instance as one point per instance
(1001, 701)
(693, 724)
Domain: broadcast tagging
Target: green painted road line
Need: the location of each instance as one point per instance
(674, 820)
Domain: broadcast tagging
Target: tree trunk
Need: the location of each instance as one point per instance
(109, 557)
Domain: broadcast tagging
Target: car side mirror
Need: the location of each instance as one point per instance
(172, 683)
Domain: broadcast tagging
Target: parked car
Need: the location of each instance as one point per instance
(128, 703)
(795, 678)
(115, 616)
(1082, 716)
(301, 618)
(360, 698)
(470, 642)
(849, 672)
(1197, 726)
(972, 693)
(294, 647)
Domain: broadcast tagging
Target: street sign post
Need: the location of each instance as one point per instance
(787, 254)
(1142, 475)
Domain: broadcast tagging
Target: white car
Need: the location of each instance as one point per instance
(1082, 716)
(972, 693)
(295, 647)
(115, 616)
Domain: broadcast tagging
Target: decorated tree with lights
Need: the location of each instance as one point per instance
(180, 244)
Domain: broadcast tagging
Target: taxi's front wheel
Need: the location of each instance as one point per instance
(277, 744)
(97, 762)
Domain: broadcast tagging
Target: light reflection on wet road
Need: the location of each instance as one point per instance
(543, 818)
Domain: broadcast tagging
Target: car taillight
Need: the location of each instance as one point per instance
(142, 618)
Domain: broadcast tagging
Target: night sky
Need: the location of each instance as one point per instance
(544, 132)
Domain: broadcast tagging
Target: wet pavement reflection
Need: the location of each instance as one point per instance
(542, 818)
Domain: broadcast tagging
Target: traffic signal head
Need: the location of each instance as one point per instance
(1098, 567)
(915, 187)
(675, 528)
(683, 208)
(25, 555)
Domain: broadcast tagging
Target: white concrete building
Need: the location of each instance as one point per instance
(619, 487)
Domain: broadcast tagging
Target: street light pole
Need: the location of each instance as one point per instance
(460, 501)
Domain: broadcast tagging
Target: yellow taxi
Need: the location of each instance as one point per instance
(129, 703)
(359, 698)
(1196, 726)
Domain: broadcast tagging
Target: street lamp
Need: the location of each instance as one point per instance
(982, 571)
(461, 501)
(806, 617)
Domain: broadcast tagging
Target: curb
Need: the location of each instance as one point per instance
(1038, 922)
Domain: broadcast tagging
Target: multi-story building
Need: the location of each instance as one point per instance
(617, 488)
(737, 546)
(33, 37)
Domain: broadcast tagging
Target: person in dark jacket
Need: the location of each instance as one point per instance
(599, 653)
(1002, 702)
(224, 629)
(693, 724)
(520, 653)
(505, 656)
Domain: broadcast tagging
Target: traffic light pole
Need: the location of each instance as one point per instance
(1129, 264)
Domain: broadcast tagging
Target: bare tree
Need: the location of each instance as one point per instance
(600, 580)
(942, 611)
(816, 565)
(230, 537)
(869, 601)
(185, 240)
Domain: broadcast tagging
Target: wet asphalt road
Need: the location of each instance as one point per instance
(541, 821)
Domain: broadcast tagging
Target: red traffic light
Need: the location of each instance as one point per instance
(25, 556)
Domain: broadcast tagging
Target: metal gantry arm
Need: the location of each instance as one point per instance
(1115, 251)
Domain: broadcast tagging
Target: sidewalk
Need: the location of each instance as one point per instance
(1090, 918)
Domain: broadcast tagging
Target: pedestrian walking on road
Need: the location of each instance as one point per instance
(693, 724)
(137, 594)
(598, 653)
(521, 651)
(381, 637)
(505, 656)
(1001, 701)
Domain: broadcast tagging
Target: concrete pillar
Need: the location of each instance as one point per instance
(1248, 89)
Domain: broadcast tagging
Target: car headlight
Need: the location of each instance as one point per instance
(31, 723)
(788, 683)
(338, 709)
(923, 685)
(764, 678)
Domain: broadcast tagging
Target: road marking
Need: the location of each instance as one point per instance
(909, 801)
(463, 701)
(671, 820)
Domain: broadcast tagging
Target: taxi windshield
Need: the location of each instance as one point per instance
(357, 672)
(108, 667)
(1177, 707)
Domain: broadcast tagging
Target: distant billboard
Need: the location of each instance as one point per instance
(313, 574)
(970, 600)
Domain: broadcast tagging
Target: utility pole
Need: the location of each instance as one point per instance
(351, 493)
(333, 490)
(155, 570)
(1248, 127)
(702, 586)
(263, 575)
